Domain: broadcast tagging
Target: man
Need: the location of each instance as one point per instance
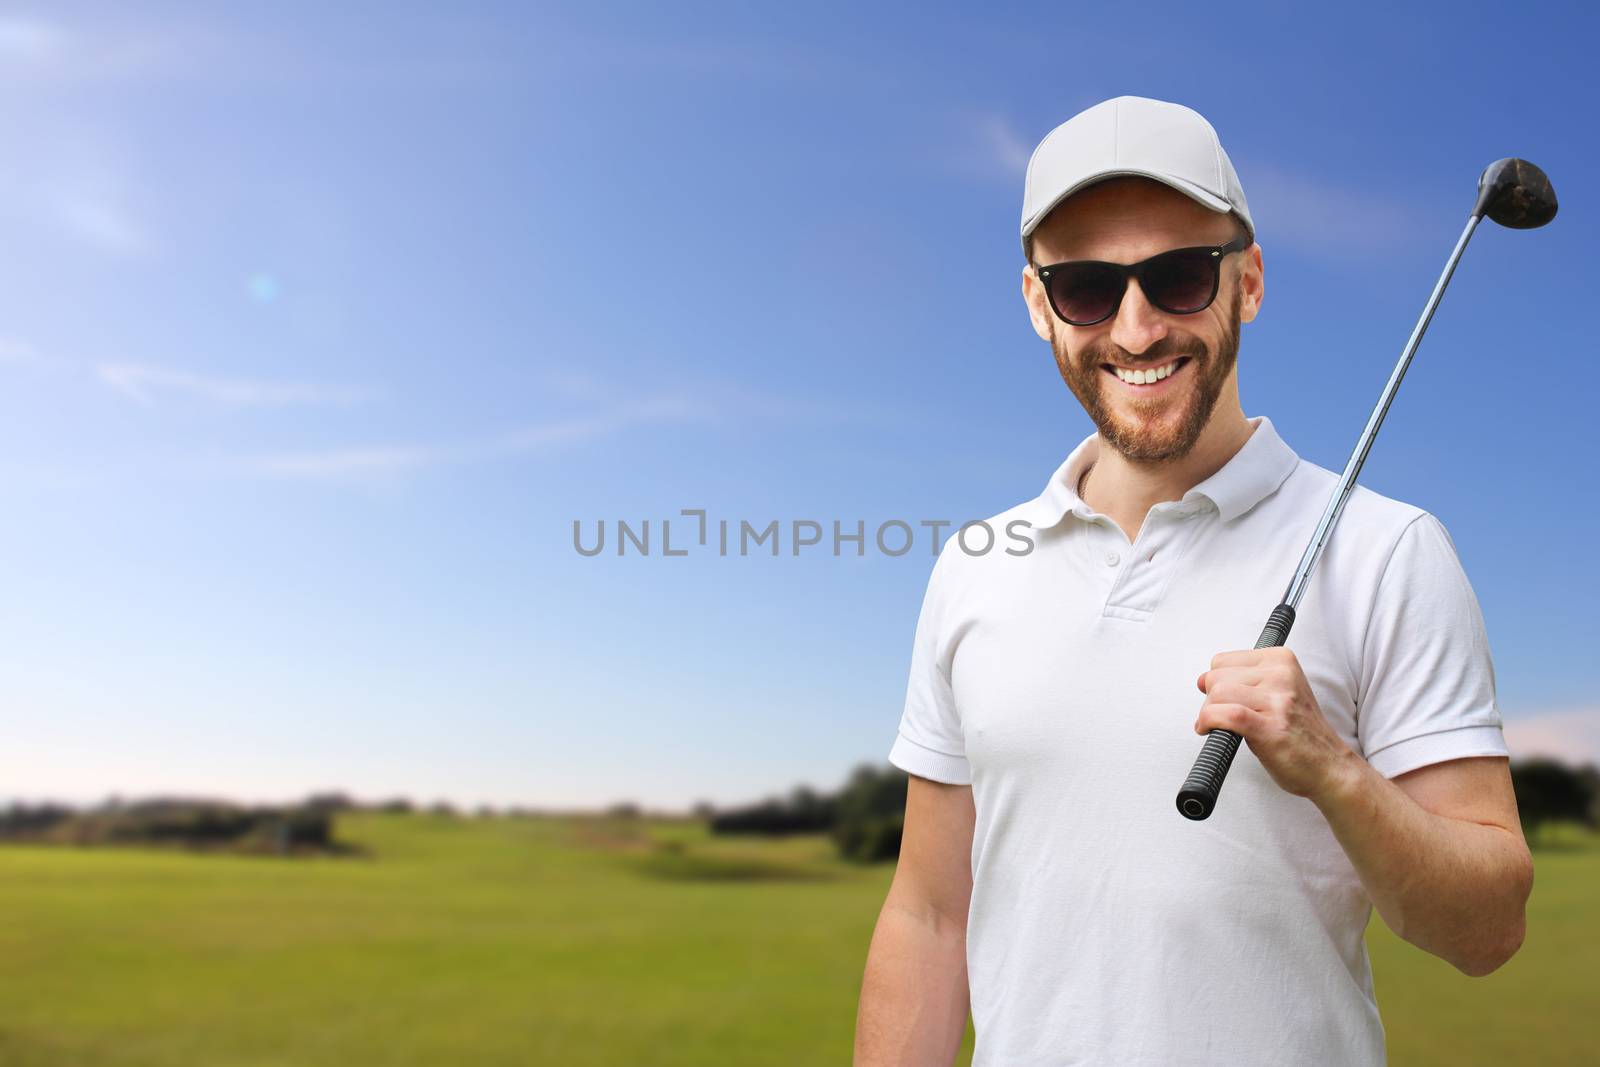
(1046, 878)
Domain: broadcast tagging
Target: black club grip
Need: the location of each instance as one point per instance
(1199, 793)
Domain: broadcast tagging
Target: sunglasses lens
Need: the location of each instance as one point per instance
(1182, 282)
(1085, 293)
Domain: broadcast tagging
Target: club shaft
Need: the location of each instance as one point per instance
(1347, 481)
(1198, 797)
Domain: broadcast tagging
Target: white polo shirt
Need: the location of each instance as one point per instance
(1105, 928)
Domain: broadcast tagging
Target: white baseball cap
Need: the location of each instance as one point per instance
(1132, 135)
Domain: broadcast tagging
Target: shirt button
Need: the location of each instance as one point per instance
(1112, 559)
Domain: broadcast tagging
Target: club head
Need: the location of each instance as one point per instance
(1515, 193)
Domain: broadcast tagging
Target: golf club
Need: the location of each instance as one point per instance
(1512, 192)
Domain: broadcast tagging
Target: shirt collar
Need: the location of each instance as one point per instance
(1253, 473)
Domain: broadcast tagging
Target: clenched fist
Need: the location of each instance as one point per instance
(1262, 695)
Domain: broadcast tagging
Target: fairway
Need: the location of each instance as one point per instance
(583, 942)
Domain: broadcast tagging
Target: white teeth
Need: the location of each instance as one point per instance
(1144, 377)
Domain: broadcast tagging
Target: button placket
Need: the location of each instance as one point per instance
(1154, 556)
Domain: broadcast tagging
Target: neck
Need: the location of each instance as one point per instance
(1125, 490)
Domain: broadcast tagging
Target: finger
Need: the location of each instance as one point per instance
(1237, 675)
(1235, 718)
(1223, 688)
(1282, 664)
(1244, 657)
(1276, 654)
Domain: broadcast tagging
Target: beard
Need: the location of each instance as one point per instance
(1148, 439)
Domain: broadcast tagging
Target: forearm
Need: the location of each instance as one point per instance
(914, 997)
(1453, 888)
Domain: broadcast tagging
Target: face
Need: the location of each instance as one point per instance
(1124, 221)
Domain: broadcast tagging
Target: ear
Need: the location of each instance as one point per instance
(1251, 282)
(1038, 304)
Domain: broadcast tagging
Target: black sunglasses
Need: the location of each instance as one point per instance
(1183, 281)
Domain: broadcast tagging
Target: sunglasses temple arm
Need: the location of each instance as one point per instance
(1198, 797)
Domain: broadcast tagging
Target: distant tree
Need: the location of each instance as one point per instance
(177, 822)
(394, 806)
(871, 811)
(624, 809)
(703, 809)
(805, 801)
(32, 820)
(442, 808)
(309, 828)
(804, 811)
(331, 801)
(1550, 791)
(1590, 775)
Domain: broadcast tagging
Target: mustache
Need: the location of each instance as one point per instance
(1163, 351)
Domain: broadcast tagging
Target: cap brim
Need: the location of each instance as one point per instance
(1204, 197)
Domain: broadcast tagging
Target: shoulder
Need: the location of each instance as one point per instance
(1385, 555)
(1371, 522)
(981, 557)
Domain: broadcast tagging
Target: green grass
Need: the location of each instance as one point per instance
(581, 943)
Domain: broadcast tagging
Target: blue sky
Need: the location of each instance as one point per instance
(319, 329)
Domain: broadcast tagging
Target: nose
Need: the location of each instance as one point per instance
(1138, 323)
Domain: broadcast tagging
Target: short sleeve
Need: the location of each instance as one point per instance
(929, 743)
(1427, 691)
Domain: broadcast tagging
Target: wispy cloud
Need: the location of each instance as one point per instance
(25, 40)
(389, 461)
(13, 350)
(74, 190)
(345, 464)
(1309, 212)
(705, 404)
(747, 60)
(41, 53)
(103, 223)
(146, 384)
(80, 179)
(1572, 736)
(987, 144)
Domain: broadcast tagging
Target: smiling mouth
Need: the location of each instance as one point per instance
(1145, 378)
